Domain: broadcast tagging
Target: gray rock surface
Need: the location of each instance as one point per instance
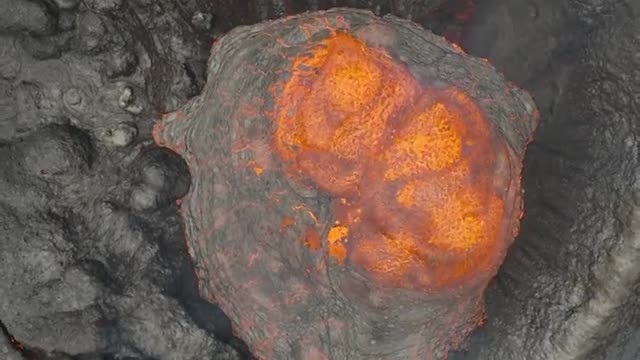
(88, 274)
(569, 287)
(28, 16)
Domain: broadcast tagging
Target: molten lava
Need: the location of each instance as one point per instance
(411, 167)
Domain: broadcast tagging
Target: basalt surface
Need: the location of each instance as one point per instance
(93, 257)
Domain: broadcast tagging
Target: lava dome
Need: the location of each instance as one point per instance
(356, 184)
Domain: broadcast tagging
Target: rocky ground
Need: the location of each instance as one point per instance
(91, 248)
(570, 287)
(92, 253)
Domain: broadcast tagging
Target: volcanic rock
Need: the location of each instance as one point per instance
(26, 15)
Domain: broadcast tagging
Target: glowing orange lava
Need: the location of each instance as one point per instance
(412, 167)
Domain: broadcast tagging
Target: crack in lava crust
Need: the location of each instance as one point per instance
(412, 169)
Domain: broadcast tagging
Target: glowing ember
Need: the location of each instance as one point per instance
(417, 161)
(355, 185)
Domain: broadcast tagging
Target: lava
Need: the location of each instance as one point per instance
(412, 167)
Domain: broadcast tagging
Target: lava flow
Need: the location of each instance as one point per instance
(412, 168)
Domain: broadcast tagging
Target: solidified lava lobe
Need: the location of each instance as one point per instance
(356, 183)
(411, 167)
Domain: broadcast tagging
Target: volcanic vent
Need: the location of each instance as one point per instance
(356, 183)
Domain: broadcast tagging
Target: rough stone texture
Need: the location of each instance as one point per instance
(278, 297)
(160, 48)
(569, 286)
(85, 272)
(29, 16)
(91, 58)
(8, 353)
(79, 254)
(233, 13)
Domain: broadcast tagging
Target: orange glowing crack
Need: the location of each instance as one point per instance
(336, 237)
(412, 167)
(337, 233)
(312, 239)
(286, 223)
(256, 167)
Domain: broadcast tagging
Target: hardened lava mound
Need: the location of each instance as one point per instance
(356, 184)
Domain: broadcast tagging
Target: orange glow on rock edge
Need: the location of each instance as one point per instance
(413, 167)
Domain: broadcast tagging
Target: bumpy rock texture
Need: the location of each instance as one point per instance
(98, 275)
(569, 286)
(92, 256)
(70, 62)
(368, 287)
